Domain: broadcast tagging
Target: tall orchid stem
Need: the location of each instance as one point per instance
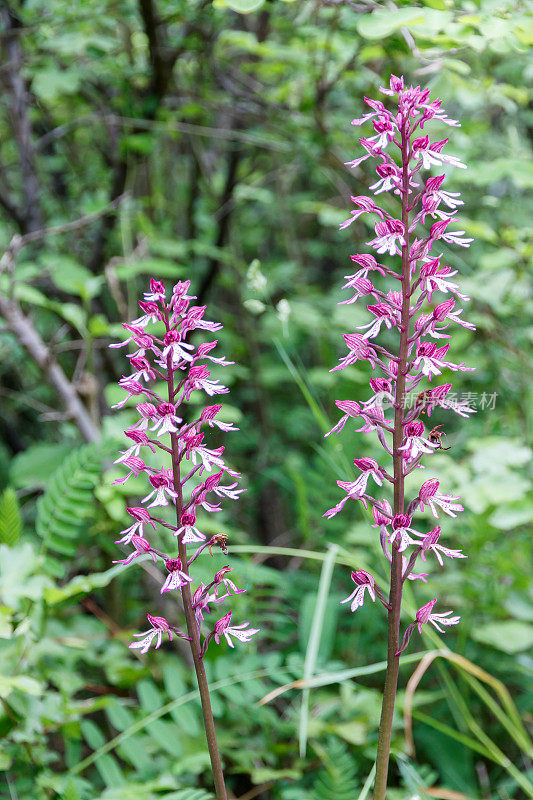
(192, 625)
(396, 582)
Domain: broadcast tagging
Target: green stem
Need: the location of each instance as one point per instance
(396, 582)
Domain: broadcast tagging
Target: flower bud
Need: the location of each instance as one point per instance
(396, 84)
(212, 481)
(365, 260)
(221, 574)
(431, 538)
(441, 311)
(421, 143)
(379, 517)
(159, 479)
(140, 543)
(158, 622)
(366, 464)
(138, 513)
(428, 489)
(433, 184)
(423, 614)
(362, 578)
(380, 385)
(164, 409)
(349, 407)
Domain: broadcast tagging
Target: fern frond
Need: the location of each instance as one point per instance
(337, 781)
(68, 502)
(10, 519)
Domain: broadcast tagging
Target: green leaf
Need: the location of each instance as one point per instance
(73, 314)
(149, 695)
(159, 267)
(70, 792)
(242, 6)
(110, 772)
(188, 794)
(354, 732)
(512, 515)
(22, 683)
(92, 734)
(51, 84)
(34, 468)
(520, 607)
(21, 575)
(337, 781)
(81, 584)
(98, 326)
(509, 637)
(72, 278)
(6, 759)
(384, 22)
(10, 520)
(137, 142)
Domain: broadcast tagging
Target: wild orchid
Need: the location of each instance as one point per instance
(404, 153)
(197, 478)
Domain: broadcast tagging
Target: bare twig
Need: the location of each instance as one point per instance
(140, 251)
(22, 327)
(18, 242)
(263, 787)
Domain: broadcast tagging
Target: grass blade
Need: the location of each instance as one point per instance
(367, 784)
(313, 644)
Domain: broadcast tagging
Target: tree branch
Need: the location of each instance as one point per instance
(18, 242)
(234, 158)
(29, 217)
(22, 327)
(161, 60)
(118, 184)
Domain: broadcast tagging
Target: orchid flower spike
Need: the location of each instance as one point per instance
(163, 351)
(409, 228)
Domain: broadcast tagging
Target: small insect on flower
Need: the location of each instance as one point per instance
(221, 540)
(435, 435)
(423, 400)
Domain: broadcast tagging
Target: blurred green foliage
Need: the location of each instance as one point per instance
(223, 127)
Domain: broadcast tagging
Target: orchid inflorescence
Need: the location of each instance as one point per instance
(197, 475)
(409, 310)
